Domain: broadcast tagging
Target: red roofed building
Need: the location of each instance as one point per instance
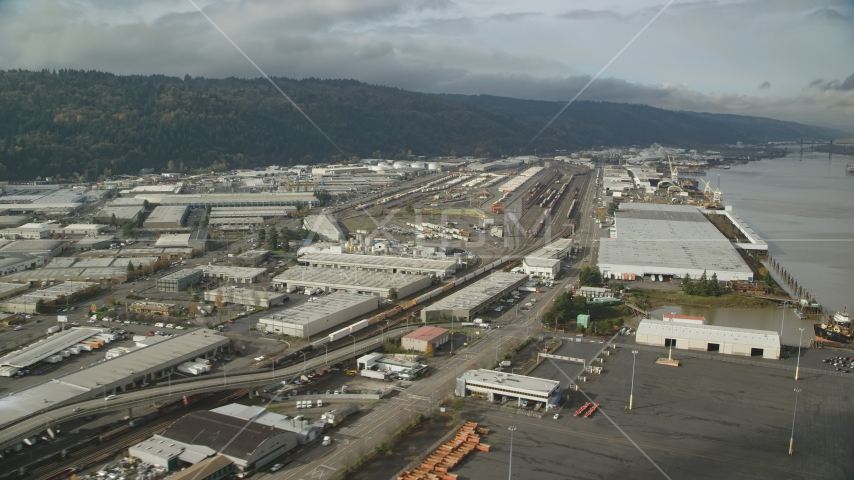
(679, 318)
(419, 339)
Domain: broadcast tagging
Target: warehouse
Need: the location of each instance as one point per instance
(420, 339)
(146, 365)
(196, 240)
(46, 248)
(11, 289)
(232, 224)
(93, 243)
(179, 281)
(104, 276)
(231, 200)
(122, 214)
(314, 317)
(235, 274)
(60, 294)
(475, 298)
(166, 217)
(305, 431)
(17, 263)
(245, 296)
(494, 386)
(251, 258)
(709, 338)
(12, 221)
(356, 281)
(244, 212)
(28, 231)
(668, 240)
(325, 226)
(36, 352)
(384, 263)
(88, 229)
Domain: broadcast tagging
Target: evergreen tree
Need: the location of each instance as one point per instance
(262, 235)
(703, 285)
(274, 239)
(687, 285)
(714, 286)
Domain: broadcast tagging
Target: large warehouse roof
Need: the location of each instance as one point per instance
(479, 293)
(345, 279)
(42, 349)
(380, 262)
(710, 333)
(669, 240)
(329, 305)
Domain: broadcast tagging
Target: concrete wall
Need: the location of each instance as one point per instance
(700, 345)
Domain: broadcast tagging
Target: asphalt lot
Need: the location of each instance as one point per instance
(704, 419)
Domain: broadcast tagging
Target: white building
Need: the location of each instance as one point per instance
(545, 262)
(709, 338)
(311, 318)
(493, 386)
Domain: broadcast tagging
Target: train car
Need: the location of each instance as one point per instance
(422, 298)
(359, 326)
(409, 304)
(446, 287)
(479, 271)
(286, 358)
(143, 419)
(469, 277)
(190, 399)
(437, 292)
(175, 404)
(106, 437)
(459, 282)
(305, 349)
(320, 342)
(394, 311)
(338, 334)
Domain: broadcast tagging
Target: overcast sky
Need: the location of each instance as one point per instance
(785, 59)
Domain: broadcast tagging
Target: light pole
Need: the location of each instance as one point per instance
(304, 359)
(632, 391)
(794, 413)
(326, 355)
(783, 323)
(801, 339)
(354, 345)
(512, 429)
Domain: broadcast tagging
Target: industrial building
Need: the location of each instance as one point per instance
(232, 224)
(88, 229)
(246, 296)
(166, 217)
(129, 213)
(545, 262)
(153, 307)
(196, 240)
(251, 258)
(28, 231)
(669, 241)
(244, 212)
(93, 243)
(709, 338)
(389, 365)
(305, 431)
(325, 226)
(314, 317)
(12, 221)
(146, 365)
(234, 274)
(231, 200)
(169, 253)
(17, 263)
(384, 263)
(103, 276)
(492, 386)
(11, 289)
(250, 445)
(471, 300)
(66, 292)
(357, 281)
(52, 345)
(179, 281)
(420, 339)
(45, 248)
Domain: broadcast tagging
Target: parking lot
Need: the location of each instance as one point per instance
(704, 419)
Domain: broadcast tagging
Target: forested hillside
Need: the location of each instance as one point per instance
(79, 125)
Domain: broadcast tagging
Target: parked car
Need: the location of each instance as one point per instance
(276, 467)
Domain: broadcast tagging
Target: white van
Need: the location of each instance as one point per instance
(327, 440)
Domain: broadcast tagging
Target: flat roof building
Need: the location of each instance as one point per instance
(179, 281)
(476, 297)
(12, 221)
(11, 289)
(668, 240)
(493, 385)
(60, 293)
(274, 199)
(357, 281)
(709, 338)
(48, 248)
(244, 212)
(93, 243)
(166, 217)
(315, 317)
(88, 229)
(28, 231)
(246, 296)
(10, 264)
(251, 258)
(381, 263)
(424, 336)
(238, 274)
(123, 214)
(119, 374)
(36, 352)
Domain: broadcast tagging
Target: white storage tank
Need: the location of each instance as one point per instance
(418, 166)
(433, 166)
(401, 164)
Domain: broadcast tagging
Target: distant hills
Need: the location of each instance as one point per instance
(79, 124)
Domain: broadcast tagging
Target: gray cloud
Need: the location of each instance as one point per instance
(765, 85)
(847, 84)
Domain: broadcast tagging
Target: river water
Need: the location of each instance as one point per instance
(770, 318)
(803, 206)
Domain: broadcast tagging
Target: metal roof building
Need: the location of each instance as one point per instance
(419, 339)
(357, 281)
(314, 317)
(238, 274)
(467, 302)
(709, 338)
(123, 213)
(670, 240)
(494, 385)
(179, 281)
(275, 199)
(113, 376)
(36, 352)
(165, 217)
(381, 263)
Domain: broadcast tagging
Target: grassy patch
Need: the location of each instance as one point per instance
(654, 299)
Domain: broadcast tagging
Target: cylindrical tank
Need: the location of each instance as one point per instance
(418, 165)
(433, 166)
(401, 164)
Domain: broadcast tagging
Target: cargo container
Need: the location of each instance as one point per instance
(339, 334)
(113, 433)
(189, 368)
(84, 347)
(373, 374)
(291, 289)
(54, 329)
(358, 326)
(190, 399)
